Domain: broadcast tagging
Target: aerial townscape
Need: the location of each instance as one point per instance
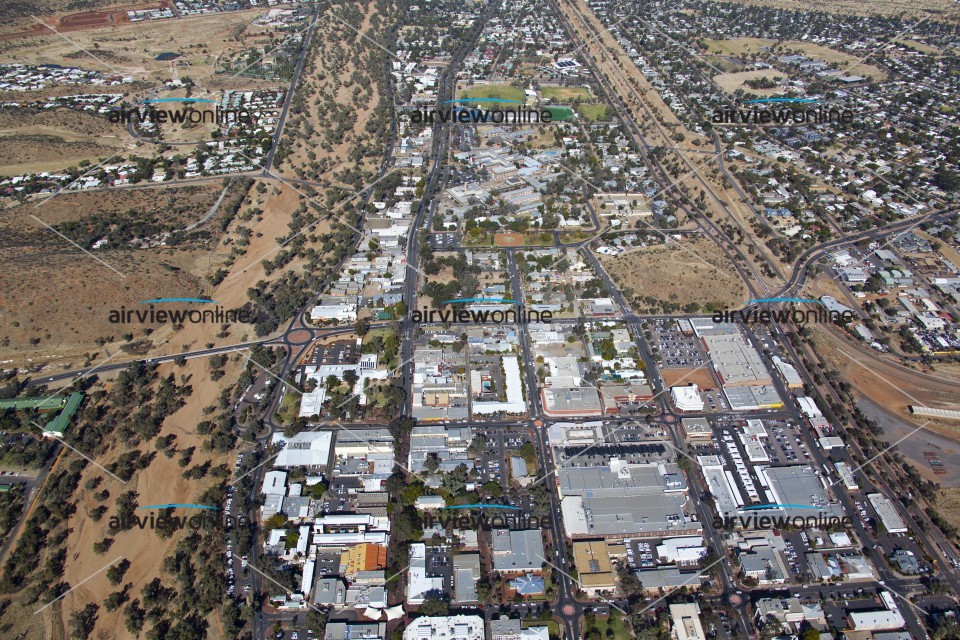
(480, 320)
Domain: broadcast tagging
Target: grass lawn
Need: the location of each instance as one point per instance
(289, 408)
(565, 93)
(560, 113)
(499, 91)
(620, 631)
(593, 111)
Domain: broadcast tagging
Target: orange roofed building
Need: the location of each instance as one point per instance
(364, 557)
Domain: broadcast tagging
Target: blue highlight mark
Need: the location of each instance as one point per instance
(482, 100)
(174, 505)
(480, 300)
(159, 300)
(777, 505)
(765, 100)
(161, 100)
(797, 300)
(484, 506)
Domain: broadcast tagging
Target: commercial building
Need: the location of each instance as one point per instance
(734, 359)
(889, 517)
(686, 398)
(594, 571)
(517, 550)
(685, 622)
(345, 630)
(274, 483)
(466, 574)
(571, 401)
(723, 487)
(885, 620)
(846, 475)
(308, 449)
(789, 373)
(685, 549)
(363, 557)
(792, 612)
(510, 629)
(420, 586)
(514, 403)
(618, 500)
(763, 564)
(446, 628)
(446, 444)
(696, 429)
(653, 580)
(798, 485)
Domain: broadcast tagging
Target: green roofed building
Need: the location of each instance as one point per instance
(40, 403)
(56, 427)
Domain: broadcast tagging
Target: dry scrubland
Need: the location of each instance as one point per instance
(676, 275)
(161, 482)
(731, 82)
(55, 139)
(333, 117)
(131, 48)
(948, 504)
(205, 44)
(940, 8)
(53, 292)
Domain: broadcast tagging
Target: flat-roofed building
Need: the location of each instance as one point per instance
(594, 571)
(686, 623)
(466, 574)
(346, 630)
(364, 557)
(274, 483)
(653, 580)
(735, 360)
(420, 585)
(798, 485)
(889, 517)
(792, 612)
(619, 500)
(685, 549)
(446, 627)
(696, 429)
(846, 475)
(686, 398)
(571, 401)
(308, 449)
(517, 550)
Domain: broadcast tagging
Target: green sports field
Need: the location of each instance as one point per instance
(500, 92)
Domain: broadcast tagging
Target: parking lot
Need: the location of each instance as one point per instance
(501, 444)
(439, 563)
(641, 554)
(674, 348)
(445, 241)
(784, 443)
(340, 352)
